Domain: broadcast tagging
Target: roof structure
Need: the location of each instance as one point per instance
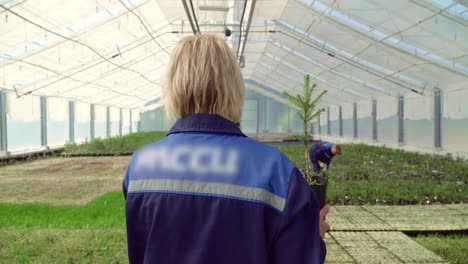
(114, 52)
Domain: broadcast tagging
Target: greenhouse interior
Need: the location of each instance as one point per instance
(82, 87)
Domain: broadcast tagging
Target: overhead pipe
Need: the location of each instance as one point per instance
(194, 17)
(187, 11)
(252, 8)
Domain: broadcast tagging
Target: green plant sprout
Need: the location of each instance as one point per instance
(308, 111)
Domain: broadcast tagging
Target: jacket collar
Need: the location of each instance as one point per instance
(207, 123)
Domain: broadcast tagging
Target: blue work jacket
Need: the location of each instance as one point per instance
(320, 151)
(206, 194)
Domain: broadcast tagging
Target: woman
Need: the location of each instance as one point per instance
(206, 193)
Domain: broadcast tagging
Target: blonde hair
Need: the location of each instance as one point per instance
(204, 77)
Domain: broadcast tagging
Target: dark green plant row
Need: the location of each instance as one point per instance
(362, 175)
(119, 145)
(378, 175)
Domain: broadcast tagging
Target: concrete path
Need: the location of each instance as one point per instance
(376, 247)
(399, 218)
(372, 234)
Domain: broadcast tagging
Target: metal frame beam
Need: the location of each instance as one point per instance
(43, 121)
(249, 22)
(189, 16)
(120, 121)
(276, 86)
(131, 122)
(318, 125)
(295, 69)
(438, 119)
(258, 118)
(374, 120)
(71, 123)
(401, 120)
(355, 123)
(265, 113)
(328, 122)
(340, 118)
(92, 120)
(108, 125)
(3, 123)
(356, 62)
(139, 124)
(379, 37)
(339, 73)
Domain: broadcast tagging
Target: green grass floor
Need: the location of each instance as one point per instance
(95, 233)
(453, 248)
(106, 211)
(65, 246)
(44, 233)
(45, 228)
(109, 245)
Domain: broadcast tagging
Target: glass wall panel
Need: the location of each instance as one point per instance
(154, 120)
(334, 120)
(23, 122)
(100, 117)
(387, 119)
(82, 122)
(347, 115)
(125, 121)
(323, 123)
(135, 120)
(277, 116)
(296, 124)
(455, 121)
(114, 121)
(58, 128)
(419, 120)
(364, 115)
(249, 117)
(262, 109)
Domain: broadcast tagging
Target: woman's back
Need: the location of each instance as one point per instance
(208, 194)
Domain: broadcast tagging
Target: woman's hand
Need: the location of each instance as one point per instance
(324, 227)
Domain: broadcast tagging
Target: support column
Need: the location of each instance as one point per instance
(120, 121)
(3, 124)
(131, 122)
(92, 120)
(71, 123)
(265, 112)
(328, 122)
(340, 122)
(43, 121)
(318, 125)
(108, 127)
(161, 119)
(289, 119)
(258, 118)
(438, 118)
(139, 124)
(401, 120)
(355, 123)
(374, 120)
